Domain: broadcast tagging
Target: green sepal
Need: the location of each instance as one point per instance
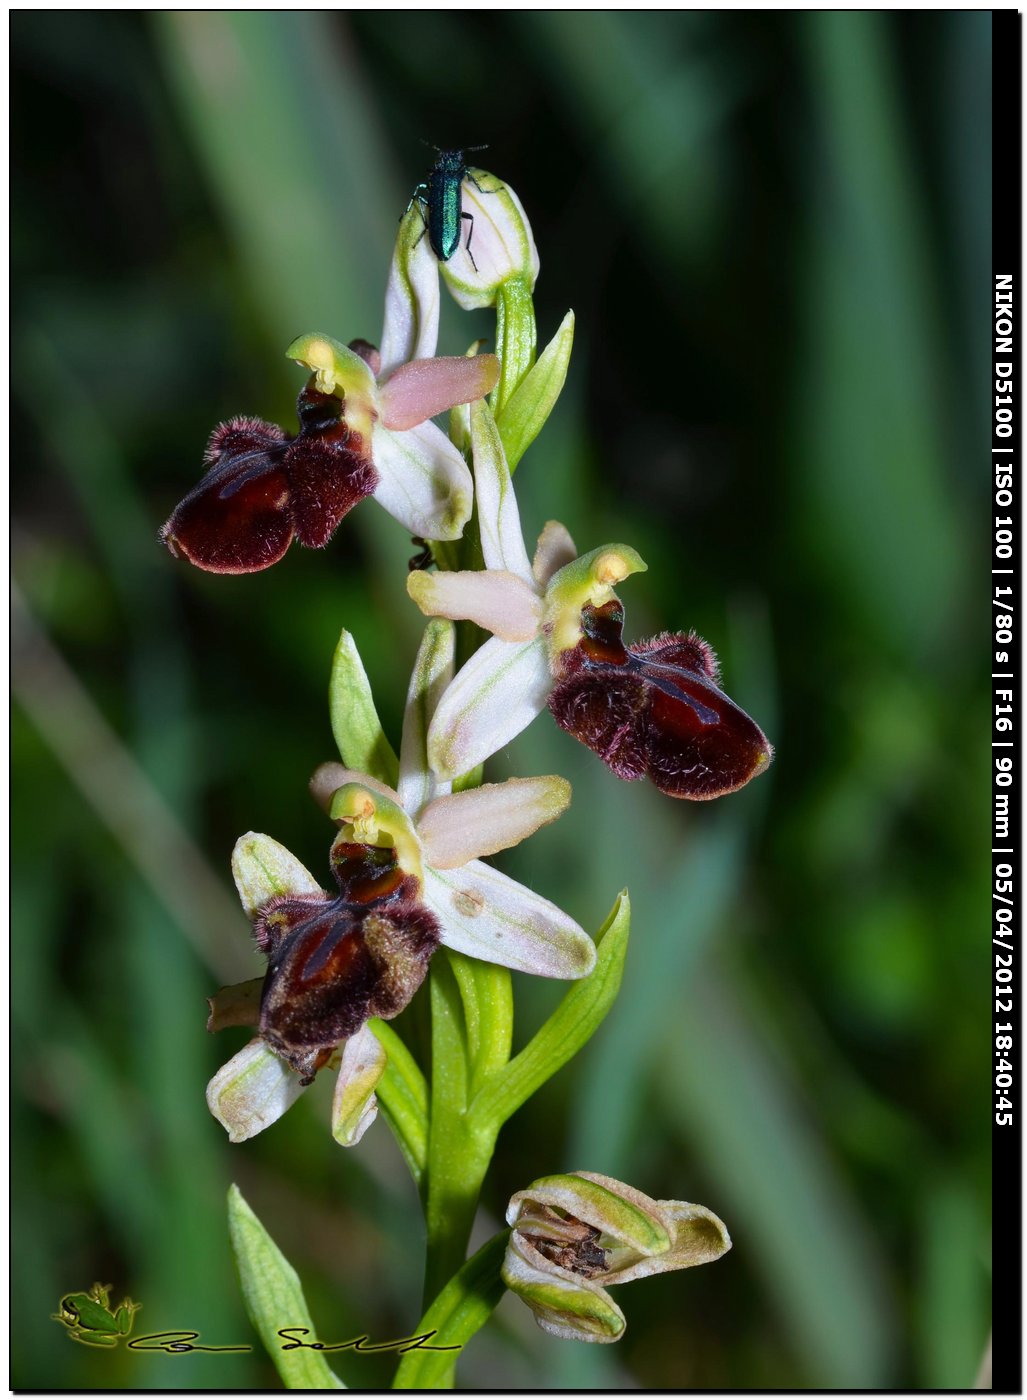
(515, 339)
(577, 1017)
(525, 413)
(461, 1309)
(358, 731)
(337, 369)
(274, 1298)
(403, 1099)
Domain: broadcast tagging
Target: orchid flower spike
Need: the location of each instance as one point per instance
(578, 1234)
(365, 430)
(648, 709)
(408, 869)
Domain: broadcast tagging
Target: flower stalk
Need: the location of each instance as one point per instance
(416, 899)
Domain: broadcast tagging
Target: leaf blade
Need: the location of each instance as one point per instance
(274, 1298)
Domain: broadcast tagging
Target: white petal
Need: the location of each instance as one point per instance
(484, 820)
(432, 673)
(493, 598)
(502, 543)
(555, 548)
(263, 868)
(252, 1091)
(354, 1106)
(489, 916)
(411, 329)
(425, 484)
(496, 695)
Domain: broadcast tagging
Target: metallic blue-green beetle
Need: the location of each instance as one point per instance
(439, 201)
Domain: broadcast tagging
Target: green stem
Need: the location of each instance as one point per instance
(459, 1150)
(463, 1306)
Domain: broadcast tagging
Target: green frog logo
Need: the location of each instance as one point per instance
(89, 1319)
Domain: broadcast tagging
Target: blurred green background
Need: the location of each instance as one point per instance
(775, 233)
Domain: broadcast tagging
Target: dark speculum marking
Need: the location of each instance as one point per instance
(262, 488)
(654, 709)
(333, 963)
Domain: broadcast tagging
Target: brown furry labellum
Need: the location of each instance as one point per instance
(333, 963)
(264, 488)
(653, 709)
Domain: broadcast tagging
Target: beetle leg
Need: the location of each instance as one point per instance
(418, 197)
(420, 200)
(470, 231)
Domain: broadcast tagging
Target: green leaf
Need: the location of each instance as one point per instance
(525, 414)
(461, 1309)
(403, 1099)
(575, 1020)
(273, 1297)
(358, 730)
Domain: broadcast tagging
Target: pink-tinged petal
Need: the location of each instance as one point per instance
(421, 389)
(432, 673)
(489, 916)
(425, 484)
(493, 598)
(263, 869)
(493, 697)
(502, 543)
(252, 1091)
(555, 548)
(411, 330)
(329, 777)
(354, 1106)
(484, 820)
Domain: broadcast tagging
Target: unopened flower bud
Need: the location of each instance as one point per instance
(575, 1235)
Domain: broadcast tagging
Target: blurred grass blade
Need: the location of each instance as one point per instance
(579, 1014)
(872, 384)
(952, 1291)
(122, 796)
(358, 731)
(281, 118)
(787, 1209)
(275, 1299)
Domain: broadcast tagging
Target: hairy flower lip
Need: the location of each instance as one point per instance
(649, 709)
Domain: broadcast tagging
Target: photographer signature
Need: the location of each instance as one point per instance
(89, 1318)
